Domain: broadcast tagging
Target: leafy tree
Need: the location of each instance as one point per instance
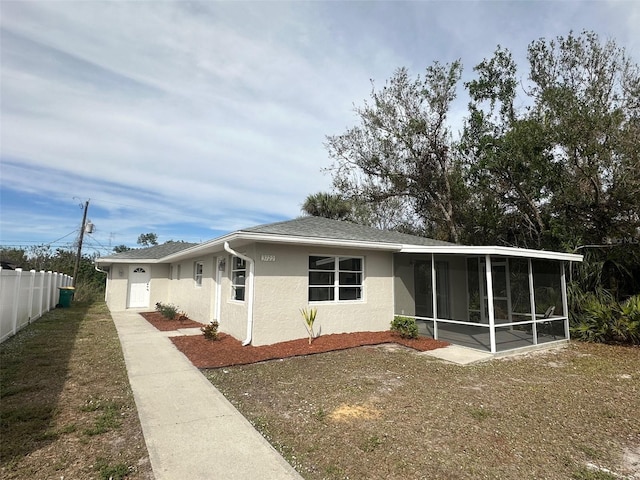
(587, 96)
(122, 248)
(510, 166)
(148, 239)
(401, 152)
(564, 171)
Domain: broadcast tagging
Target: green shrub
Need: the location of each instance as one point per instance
(210, 331)
(167, 310)
(598, 317)
(406, 327)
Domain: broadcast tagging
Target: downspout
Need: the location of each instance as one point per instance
(106, 288)
(249, 291)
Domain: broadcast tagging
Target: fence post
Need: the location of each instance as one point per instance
(41, 293)
(49, 278)
(32, 280)
(16, 301)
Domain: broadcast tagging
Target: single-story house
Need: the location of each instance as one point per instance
(255, 281)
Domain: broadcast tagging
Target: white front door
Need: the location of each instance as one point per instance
(139, 278)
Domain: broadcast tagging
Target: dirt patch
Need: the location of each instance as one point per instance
(354, 412)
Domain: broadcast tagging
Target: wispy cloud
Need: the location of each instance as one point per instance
(195, 118)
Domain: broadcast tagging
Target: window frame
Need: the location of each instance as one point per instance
(336, 288)
(198, 275)
(238, 287)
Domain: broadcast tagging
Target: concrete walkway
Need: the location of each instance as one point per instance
(191, 431)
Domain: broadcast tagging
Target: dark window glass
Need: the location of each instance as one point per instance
(322, 263)
(350, 293)
(321, 294)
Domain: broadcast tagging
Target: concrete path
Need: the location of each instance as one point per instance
(459, 355)
(191, 431)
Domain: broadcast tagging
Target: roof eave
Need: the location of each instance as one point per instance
(492, 250)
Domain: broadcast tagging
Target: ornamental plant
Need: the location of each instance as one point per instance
(210, 331)
(309, 316)
(167, 310)
(406, 327)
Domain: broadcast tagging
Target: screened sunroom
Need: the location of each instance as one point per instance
(488, 298)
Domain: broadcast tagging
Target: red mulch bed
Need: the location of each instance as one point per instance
(165, 325)
(227, 351)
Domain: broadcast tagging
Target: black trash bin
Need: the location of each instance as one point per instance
(66, 295)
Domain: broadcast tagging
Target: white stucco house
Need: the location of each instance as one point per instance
(254, 282)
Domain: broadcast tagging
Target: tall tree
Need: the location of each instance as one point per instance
(510, 166)
(587, 94)
(401, 152)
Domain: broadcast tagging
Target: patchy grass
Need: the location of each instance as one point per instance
(370, 413)
(66, 408)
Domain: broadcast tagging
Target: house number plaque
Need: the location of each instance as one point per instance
(268, 258)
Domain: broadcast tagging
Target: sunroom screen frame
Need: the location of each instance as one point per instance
(498, 252)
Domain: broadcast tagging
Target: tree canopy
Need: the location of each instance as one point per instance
(545, 159)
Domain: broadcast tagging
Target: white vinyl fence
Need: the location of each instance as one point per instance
(25, 296)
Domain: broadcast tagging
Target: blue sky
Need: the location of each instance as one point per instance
(193, 119)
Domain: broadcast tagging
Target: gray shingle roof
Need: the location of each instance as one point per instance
(151, 253)
(335, 229)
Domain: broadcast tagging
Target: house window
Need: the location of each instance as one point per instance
(178, 273)
(238, 278)
(197, 273)
(335, 278)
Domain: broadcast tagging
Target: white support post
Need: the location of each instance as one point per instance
(532, 300)
(565, 303)
(492, 320)
(507, 275)
(434, 297)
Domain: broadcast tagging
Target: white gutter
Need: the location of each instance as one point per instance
(489, 250)
(249, 293)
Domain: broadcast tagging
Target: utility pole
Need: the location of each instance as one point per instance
(79, 254)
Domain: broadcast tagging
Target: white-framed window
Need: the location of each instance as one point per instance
(178, 272)
(334, 279)
(198, 268)
(170, 272)
(238, 278)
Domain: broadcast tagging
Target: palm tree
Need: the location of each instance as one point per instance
(328, 205)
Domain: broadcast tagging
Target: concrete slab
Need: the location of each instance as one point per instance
(191, 430)
(459, 355)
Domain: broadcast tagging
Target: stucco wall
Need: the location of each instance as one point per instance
(233, 314)
(184, 293)
(158, 285)
(282, 290)
(117, 288)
